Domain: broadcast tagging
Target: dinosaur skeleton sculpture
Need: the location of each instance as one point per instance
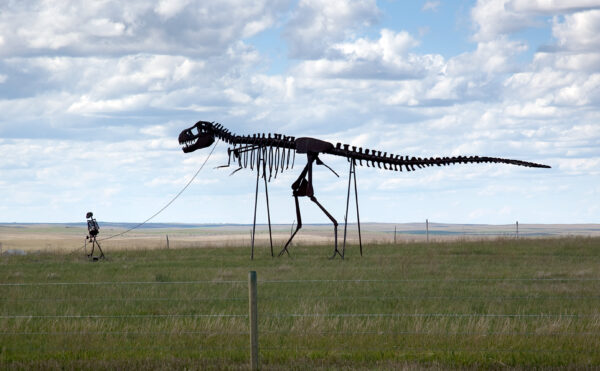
(275, 153)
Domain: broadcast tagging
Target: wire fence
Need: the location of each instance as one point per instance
(320, 297)
(309, 281)
(23, 324)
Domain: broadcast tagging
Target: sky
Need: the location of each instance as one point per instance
(94, 94)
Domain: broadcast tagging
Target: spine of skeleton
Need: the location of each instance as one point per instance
(371, 158)
(394, 162)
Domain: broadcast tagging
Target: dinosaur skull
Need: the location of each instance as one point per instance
(198, 136)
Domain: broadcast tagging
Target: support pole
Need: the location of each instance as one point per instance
(255, 204)
(167, 242)
(517, 229)
(427, 229)
(253, 315)
(356, 198)
(394, 235)
(268, 211)
(351, 174)
(347, 207)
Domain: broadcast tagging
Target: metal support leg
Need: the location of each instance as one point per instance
(352, 174)
(255, 204)
(268, 211)
(347, 206)
(357, 212)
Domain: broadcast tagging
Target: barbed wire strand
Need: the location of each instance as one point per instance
(494, 333)
(513, 315)
(492, 279)
(304, 333)
(303, 298)
(17, 333)
(241, 236)
(428, 350)
(306, 281)
(309, 315)
(120, 299)
(116, 283)
(93, 316)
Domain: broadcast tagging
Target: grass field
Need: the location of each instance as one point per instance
(463, 304)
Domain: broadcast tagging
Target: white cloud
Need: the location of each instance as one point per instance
(551, 6)
(587, 166)
(182, 27)
(497, 17)
(493, 18)
(431, 6)
(317, 24)
(104, 27)
(579, 31)
(168, 8)
(385, 58)
(390, 46)
(125, 79)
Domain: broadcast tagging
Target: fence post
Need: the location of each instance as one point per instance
(517, 229)
(394, 235)
(253, 315)
(167, 242)
(427, 229)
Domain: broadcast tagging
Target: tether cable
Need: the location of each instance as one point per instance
(164, 207)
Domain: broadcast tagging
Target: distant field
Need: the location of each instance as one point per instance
(451, 304)
(68, 237)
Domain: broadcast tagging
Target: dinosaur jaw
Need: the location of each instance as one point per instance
(191, 144)
(196, 137)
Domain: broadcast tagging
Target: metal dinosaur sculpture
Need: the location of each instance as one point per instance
(272, 154)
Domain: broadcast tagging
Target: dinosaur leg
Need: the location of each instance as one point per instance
(298, 226)
(309, 191)
(300, 188)
(335, 225)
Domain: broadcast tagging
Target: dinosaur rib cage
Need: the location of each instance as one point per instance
(273, 159)
(276, 150)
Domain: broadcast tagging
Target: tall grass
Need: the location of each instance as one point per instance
(521, 303)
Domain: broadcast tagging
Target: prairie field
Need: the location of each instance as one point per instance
(464, 303)
(62, 238)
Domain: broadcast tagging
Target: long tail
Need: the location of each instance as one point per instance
(396, 162)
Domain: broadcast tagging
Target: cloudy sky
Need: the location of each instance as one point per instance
(94, 94)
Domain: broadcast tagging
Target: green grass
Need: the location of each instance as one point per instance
(520, 303)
